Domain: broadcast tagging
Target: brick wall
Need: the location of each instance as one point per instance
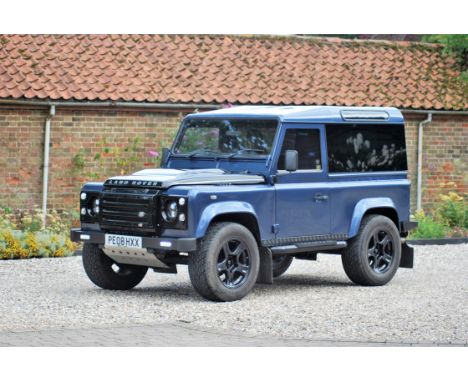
(445, 155)
(74, 134)
(21, 147)
(83, 134)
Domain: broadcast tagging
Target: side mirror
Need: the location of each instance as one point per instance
(291, 160)
(165, 155)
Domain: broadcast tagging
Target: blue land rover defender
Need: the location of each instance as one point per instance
(244, 190)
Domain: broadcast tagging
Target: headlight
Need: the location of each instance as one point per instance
(95, 207)
(89, 206)
(174, 212)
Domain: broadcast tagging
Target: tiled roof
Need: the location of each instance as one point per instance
(229, 69)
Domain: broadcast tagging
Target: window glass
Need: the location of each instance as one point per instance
(366, 148)
(307, 144)
(243, 137)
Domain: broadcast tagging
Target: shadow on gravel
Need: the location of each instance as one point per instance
(157, 292)
(187, 293)
(303, 282)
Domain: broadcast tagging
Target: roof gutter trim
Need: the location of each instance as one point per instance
(166, 105)
(143, 105)
(448, 112)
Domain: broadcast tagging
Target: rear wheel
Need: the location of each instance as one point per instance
(225, 266)
(106, 273)
(373, 256)
(281, 264)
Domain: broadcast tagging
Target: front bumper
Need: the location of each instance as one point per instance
(169, 244)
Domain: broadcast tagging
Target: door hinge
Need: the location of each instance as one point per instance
(275, 228)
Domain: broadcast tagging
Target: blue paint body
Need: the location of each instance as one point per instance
(285, 206)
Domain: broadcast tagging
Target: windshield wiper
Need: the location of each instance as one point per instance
(241, 151)
(201, 151)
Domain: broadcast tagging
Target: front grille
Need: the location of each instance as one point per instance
(129, 209)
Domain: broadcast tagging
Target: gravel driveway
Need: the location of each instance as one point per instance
(313, 300)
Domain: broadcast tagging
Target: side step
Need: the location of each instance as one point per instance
(315, 246)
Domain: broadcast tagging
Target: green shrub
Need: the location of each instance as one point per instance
(16, 244)
(428, 228)
(22, 235)
(452, 210)
(30, 220)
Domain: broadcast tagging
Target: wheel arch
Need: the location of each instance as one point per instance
(378, 206)
(241, 213)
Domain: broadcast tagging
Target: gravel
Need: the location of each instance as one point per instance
(313, 300)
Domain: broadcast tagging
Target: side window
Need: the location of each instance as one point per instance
(366, 148)
(307, 144)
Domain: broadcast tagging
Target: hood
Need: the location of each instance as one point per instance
(165, 178)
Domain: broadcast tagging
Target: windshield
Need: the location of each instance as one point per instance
(230, 137)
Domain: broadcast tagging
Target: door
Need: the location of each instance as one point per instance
(302, 196)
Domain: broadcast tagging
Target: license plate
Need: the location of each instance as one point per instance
(122, 241)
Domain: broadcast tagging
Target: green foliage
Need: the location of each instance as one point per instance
(428, 228)
(15, 244)
(125, 158)
(456, 44)
(30, 220)
(78, 161)
(22, 236)
(452, 210)
(449, 217)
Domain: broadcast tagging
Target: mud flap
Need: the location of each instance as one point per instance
(265, 273)
(407, 256)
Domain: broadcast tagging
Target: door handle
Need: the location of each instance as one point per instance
(318, 197)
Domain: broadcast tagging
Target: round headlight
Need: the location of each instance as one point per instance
(171, 210)
(96, 206)
(94, 210)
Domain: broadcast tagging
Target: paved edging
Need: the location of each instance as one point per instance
(175, 334)
(457, 240)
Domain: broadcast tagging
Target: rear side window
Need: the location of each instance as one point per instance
(366, 148)
(307, 144)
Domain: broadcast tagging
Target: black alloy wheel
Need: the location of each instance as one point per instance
(226, 263)
(233, 263)
(373, 256)
(381, 251)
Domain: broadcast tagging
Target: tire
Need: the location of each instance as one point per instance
(281, 264)
(106, 273)
(226, 264)
(373, 256)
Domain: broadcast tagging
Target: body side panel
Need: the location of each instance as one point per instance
(207, 202)
(351, 199)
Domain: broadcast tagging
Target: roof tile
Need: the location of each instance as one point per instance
(234, 69)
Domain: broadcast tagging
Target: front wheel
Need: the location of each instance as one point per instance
(373, 256)
(106, 273)
(225, 266)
